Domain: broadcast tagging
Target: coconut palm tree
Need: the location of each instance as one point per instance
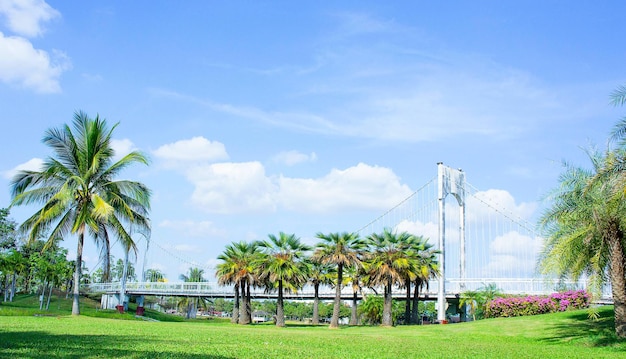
(79, 192)
(584, 227)
(282, 267)
(340, 250)
(388, 264)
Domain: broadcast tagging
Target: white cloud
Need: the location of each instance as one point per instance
(25, 17)
(359, 187)
(194, 149)
(31, 165)
(486, 201)
(122, 147)
(245, 187)
(291, 158)
(232, 187)
(428, 230)
(23, 65)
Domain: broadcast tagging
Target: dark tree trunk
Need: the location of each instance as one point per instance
(416, 300)
(316, 304)
(77, 274)
(334, 321)
(387, 306)
(354, 319)
(13, 283)
(280, 309)
(244, 315)
(618, 280)
(407, 304)
(235, 317)
(248, 303)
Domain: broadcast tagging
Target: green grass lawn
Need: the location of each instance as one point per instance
(562, 335)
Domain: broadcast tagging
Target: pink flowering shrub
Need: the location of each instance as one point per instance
(532, 305)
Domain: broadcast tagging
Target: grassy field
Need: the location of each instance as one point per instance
(25, 334)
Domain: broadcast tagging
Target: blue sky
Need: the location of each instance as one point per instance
(302, 117)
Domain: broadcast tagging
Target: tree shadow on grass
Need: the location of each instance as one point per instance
(597, 333)
(39, 344)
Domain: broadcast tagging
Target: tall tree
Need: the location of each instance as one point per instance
(319, 274)
(584, 227)
(194, 275)
(341, 250)
(427, 269)
(282, 266)
(227, 273)
(154, 275)
(388, 264)
(78, 190)
(353, 277)
(238, 267)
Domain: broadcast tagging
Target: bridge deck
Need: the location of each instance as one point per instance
(214, 290)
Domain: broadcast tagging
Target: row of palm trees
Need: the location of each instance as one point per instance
(284, 263)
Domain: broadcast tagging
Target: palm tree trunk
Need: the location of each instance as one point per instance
(49, 295)
(42, 297)
(387, 306)
(77, 273)
(334, 321)
(407, 304)
(416, 300)
(280, 309)
(248, 303)
(618, 281)
(13, 283)
(123, 281)
(316, 304)
(242, 309)
(235, 317)
(354, 320)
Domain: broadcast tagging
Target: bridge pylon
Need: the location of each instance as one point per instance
(450, 181)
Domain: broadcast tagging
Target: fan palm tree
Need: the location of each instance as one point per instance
(282, 267)
(353, 277)
(239, 268)
(427, 269)
(154, 275)
(340, 250)
(319, 274)
(584, 227)
(194, 275)
(78, 190)
(389, 263)
(227, 272)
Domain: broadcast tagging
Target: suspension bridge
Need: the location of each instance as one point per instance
(483, 237)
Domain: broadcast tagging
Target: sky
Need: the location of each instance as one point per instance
(304, 117)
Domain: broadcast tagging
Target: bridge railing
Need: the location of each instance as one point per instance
(454, 286)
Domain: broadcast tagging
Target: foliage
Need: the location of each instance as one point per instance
(79, 194)
(584, 227)
(533, 305)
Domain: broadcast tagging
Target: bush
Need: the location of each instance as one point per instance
(533, 305)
